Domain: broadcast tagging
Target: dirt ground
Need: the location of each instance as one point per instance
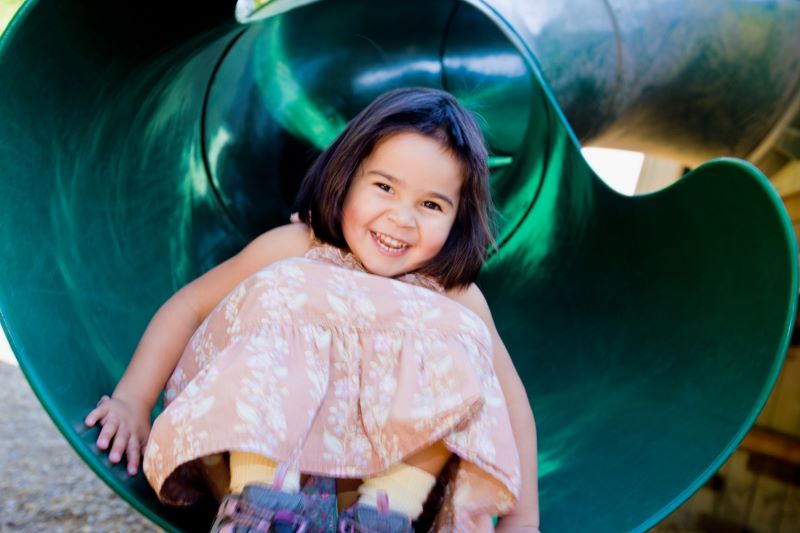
(44, 485)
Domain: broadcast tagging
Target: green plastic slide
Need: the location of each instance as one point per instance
(143, 143)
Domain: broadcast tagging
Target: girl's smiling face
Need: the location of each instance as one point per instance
(401, 204)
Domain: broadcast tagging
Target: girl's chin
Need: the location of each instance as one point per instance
(383, 270)
(384, 266)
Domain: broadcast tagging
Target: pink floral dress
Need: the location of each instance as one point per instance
(319, 365)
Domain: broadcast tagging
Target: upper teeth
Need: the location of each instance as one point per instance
(388, 241)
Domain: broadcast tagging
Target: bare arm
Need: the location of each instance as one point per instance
(173, 325)
(125, 415)
(526, 516)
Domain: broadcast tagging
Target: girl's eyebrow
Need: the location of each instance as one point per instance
(393, 179)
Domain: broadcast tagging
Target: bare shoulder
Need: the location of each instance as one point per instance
(472, 298)
(291, 240)
(287, 241)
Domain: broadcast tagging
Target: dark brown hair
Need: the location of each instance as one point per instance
(429, 112)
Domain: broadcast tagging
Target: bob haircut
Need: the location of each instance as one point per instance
(429, 112)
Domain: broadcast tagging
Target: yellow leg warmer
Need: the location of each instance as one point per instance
(249, 468)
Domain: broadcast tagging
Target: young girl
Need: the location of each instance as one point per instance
(351, 344)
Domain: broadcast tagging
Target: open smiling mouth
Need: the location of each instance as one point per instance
(387, 244)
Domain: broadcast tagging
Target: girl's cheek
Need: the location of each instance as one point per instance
(442, 232)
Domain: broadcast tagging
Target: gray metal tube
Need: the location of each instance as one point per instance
(688, 80)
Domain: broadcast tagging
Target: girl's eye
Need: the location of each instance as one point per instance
(432, 205)
(384, 187)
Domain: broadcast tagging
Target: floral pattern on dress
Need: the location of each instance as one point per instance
(320, 365)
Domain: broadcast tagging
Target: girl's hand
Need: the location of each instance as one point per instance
(127, 422)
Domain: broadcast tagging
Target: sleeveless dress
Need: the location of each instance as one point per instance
(323, 367)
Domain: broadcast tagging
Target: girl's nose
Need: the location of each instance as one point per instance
(403, 217)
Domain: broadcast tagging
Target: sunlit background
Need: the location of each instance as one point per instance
(619, 168)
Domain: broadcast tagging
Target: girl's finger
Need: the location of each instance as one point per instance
(103, 398)
(109, 428)
(133, 455)
(95, 414)
(120, 443)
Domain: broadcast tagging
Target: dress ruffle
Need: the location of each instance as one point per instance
(337, 372)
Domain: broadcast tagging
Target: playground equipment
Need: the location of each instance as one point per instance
(140, 144)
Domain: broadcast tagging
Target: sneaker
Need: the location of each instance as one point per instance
(262, 508)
